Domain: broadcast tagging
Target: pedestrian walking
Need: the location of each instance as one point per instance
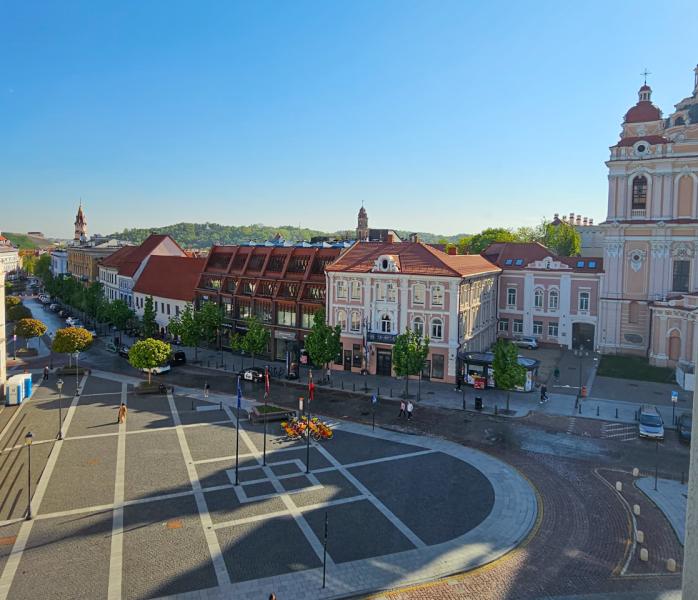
(410, 408)
(403, 413)
(207, 387)
(329, 374)
(459, 382)
(45, 373)
(543, 393)
(272, 596)
(122, 413)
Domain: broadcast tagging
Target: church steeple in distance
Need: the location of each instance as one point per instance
(80, 225)
(362, 225)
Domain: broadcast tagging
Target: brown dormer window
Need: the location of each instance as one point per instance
(639, 193)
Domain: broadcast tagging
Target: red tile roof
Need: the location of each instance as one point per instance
(413, 258)
(642, 112)
(172, 277)
(501, 252)
(653, 140)
(127, 259)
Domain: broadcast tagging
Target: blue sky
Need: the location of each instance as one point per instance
(439, 116)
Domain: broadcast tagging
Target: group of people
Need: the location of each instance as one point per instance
(406, 409)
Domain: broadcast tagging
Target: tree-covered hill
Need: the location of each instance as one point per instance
(204, 235)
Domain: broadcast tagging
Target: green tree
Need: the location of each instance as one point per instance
(563, 239)
(70, 340)
(531, 234)
(323, 343)
(256, 338)
(148, 354)
(18, 312)
(462, 244)
(409, 353)
(42, 268)
(29, 263)
(188, 327)
(480, 241)
(93, 299)
(210, 319)
(11, 301)
(120, 314)
(30, 328)
(150, 326)
(508, 373)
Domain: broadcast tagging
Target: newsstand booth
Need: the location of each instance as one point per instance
(479, 373)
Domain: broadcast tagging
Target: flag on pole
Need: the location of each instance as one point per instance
(266, 382)
(311, 387)
(239, 393)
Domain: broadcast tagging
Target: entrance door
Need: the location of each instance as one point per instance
(583, 336)
(384, 362)
(426, 370)
(347, 360)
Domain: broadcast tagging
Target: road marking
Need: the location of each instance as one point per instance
(570, 427)
(8, 573)
(373, 461)
(205, 517)
(404, 529)
(117, 529)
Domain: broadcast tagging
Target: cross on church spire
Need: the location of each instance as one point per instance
(645, 73)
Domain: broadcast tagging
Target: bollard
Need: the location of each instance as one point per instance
(342, 383)
(636, 510)
(636, 472)
(580, 408)
(220, 405)
(616, 413)
(378, 393)
(391, 392)
(597, 410)
(644, 555)
(671, 565)
(496, 411)
(640, 536)
(354, 386)
(619, 486)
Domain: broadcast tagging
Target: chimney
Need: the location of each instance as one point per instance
(414, 238)
(571, 218)
(452, 250)
(578, 222)
(591, 222)
(556, 216)
(585, 221)
(564, 218)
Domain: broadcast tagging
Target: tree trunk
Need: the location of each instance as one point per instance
(407, 386)
(150, 375)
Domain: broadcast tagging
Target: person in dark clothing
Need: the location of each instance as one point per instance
(543, 393)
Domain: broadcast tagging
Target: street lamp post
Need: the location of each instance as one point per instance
(77, 384)
(28, 443)
(59, 385)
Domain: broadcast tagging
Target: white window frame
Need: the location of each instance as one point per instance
(537, 327)
(437, 323)
(419, 290)
(355, 313)
(342, 319)
(437, 291)
(551, 325)
(587, 296)
(538, 298)
(386, 323)
(391, 292)
(342, 289)
(511, 291)
(503, 325)
(519, 323)
(380, 291)
(418, 325)
(356, 290)
(554, 293)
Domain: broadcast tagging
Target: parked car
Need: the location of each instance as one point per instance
(252, 374)
(123, 351)
(53, 307)
(651, 424)
(526, 342)
(178, 358)
(684, 426)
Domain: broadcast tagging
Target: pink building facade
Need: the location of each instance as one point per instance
(377, 290)
(554, 299)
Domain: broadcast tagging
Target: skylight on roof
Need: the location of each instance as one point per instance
(580, 263)
(519, 262)
(592, 264)
(508, 261)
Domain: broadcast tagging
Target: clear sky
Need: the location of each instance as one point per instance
(441, 116)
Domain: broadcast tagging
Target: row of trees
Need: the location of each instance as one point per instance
(562, 238)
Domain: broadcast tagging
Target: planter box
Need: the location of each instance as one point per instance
(149, 388)
(27, 352)
(276, 415)
(71, 371)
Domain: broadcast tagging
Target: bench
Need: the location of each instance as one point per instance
(276, 415)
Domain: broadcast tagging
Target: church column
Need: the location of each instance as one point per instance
(690, 552)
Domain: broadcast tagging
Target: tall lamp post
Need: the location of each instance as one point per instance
(77, 384)
(28, 443)
(59, 385)
(581, 353)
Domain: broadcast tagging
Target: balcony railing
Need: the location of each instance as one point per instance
(638, 212)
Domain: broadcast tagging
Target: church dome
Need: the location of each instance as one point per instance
(644, 110)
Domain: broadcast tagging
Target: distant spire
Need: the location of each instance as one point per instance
(645, 73)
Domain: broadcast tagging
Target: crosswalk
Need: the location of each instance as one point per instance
(621, 432)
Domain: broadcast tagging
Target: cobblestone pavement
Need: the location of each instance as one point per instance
(149, 508)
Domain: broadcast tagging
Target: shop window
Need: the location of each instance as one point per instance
(437, 366)
(356, 356)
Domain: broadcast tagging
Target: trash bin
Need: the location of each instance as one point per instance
(478, 402)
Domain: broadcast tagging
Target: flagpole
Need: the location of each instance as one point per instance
(266, 395)
(307, 428)
(237, 434)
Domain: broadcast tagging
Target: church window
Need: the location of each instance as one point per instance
(538, 298)
(639, 193)
(681, 272)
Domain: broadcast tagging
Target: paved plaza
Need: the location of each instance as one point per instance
(150, 508)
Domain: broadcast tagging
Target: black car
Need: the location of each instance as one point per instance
(123, 351)
(178, 358)
(684, 426)
(252, 374)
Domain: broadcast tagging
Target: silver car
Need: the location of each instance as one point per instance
(651, 424)
(526, 342)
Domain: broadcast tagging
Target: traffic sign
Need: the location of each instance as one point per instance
(674, 396)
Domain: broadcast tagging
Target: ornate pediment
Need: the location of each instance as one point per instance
(682, 250)
(637, 257)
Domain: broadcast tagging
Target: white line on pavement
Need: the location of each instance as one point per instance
(205, 517)
(373, 461)
(117, 529)
(8, 573)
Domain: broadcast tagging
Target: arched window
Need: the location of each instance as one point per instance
(679, 121)
(437, 327)
(355, 321)
(342, 319)
(385, 324)
(639, 193)
(553, 300)
(418, 325)
(538, 298)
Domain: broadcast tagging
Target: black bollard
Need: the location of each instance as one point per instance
(342, 383)
(616, 413)
(353, 385)
(391, 392)
(597, 410)
(496, 410)
(580, 408)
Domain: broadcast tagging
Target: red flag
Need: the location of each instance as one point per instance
(266, 382)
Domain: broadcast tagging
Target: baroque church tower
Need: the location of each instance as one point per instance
(80, 226)
(362, 226)
(651, 233)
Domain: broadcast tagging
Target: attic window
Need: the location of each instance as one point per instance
(384, 264)
(580, 264)
(519, 262)
(508, 261)
(591, 264)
